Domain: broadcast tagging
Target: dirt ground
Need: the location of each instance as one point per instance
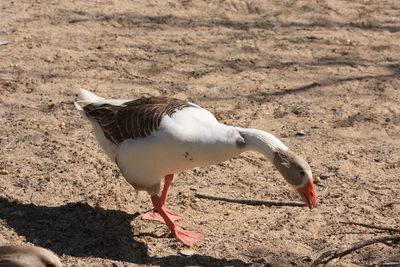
(323, 76)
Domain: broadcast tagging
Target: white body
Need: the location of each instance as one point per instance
(191, 137)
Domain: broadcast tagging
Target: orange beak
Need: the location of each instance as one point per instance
(308, 194)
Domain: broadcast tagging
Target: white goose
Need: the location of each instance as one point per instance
(27, 256)
(155, 137)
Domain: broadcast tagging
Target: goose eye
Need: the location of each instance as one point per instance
(302, 173)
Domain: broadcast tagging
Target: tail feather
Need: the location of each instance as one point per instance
(85, 98)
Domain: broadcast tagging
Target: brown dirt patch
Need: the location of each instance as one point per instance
(328, 68)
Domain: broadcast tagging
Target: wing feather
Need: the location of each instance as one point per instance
(133, 119)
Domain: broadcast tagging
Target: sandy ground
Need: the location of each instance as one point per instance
(328, 70)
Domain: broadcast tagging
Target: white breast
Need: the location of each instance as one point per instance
(189, 138)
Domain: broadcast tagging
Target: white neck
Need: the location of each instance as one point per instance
(262, 142)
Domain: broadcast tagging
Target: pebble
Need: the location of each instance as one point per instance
(187, 252)
(301, 133)
(228, 212)
(3, 171)
(393, 166)
(185, 195)
(5, 42)
(62, 125)
(326, 176)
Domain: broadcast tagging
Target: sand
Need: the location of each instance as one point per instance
(323, 76)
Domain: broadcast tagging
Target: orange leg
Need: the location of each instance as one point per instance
(154, 215)
(188, 238)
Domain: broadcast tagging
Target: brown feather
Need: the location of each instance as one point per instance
(133, 119)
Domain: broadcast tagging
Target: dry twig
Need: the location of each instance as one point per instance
(390, 229)
(254, 202)
(325, 258)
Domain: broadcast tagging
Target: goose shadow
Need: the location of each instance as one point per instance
(80, 230)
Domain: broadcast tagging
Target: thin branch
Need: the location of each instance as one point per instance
(392, 263)
(323, 259)
(250, 201)
(357, 233)
(373, 226)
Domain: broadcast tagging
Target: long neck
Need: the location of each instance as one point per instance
(262, 142)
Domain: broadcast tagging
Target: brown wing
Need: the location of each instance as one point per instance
(133, 119)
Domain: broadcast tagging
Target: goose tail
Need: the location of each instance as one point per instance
(85, 98)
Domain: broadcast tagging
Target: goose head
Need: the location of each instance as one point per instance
(297, 173)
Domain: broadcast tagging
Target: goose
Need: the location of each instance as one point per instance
(152, 138)
(24, 256)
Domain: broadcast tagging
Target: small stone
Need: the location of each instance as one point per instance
(262, 206)
(326, 176)
(185, 195)
(8, 83)
(62, 125)
(118, 199)
(300, 133)
(41, 178)
(3, 171)
(317, 179)
(135, 245)
(115, 25)
(187, 252)
(228, 212)
(5, 42)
